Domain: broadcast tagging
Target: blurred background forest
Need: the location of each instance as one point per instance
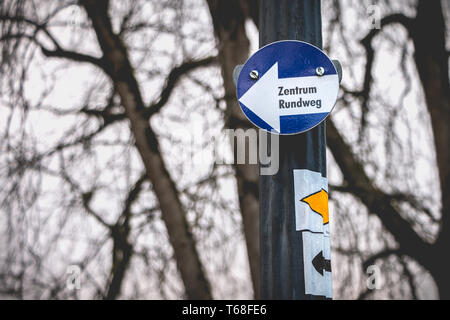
(109, 184)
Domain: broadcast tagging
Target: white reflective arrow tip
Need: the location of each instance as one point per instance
(261, 98)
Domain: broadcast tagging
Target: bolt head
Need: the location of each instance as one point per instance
(320, 71)
(254, 74)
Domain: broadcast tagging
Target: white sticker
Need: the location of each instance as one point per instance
(311, 201)
(312, 219)
(317, 264)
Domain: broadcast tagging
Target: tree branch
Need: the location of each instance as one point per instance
(370, 55)
(58, 51)
(172, 80)
(410, 277)
(381, 255)
(132, 196)
(374, 199)
(74, 56)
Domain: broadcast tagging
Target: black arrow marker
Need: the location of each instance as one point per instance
(321, 264)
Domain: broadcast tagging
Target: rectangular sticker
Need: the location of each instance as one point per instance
(312, 219)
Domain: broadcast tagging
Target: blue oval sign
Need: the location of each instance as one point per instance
(287, 87)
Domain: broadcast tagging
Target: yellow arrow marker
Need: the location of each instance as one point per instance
(318, 202)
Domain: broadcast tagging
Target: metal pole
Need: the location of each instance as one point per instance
(282, 246)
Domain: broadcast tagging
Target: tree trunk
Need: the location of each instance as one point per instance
(431, 57)
(115, 56)
(228, 17)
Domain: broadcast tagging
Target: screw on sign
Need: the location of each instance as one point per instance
(254, 74)
(288, 87)
(320, 71)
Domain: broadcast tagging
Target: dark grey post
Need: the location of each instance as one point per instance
(281, 245)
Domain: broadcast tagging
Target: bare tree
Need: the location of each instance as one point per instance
(28, 29)
(105, 105)
(402, 210)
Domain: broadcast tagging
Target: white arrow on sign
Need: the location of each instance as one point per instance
(263, 98)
